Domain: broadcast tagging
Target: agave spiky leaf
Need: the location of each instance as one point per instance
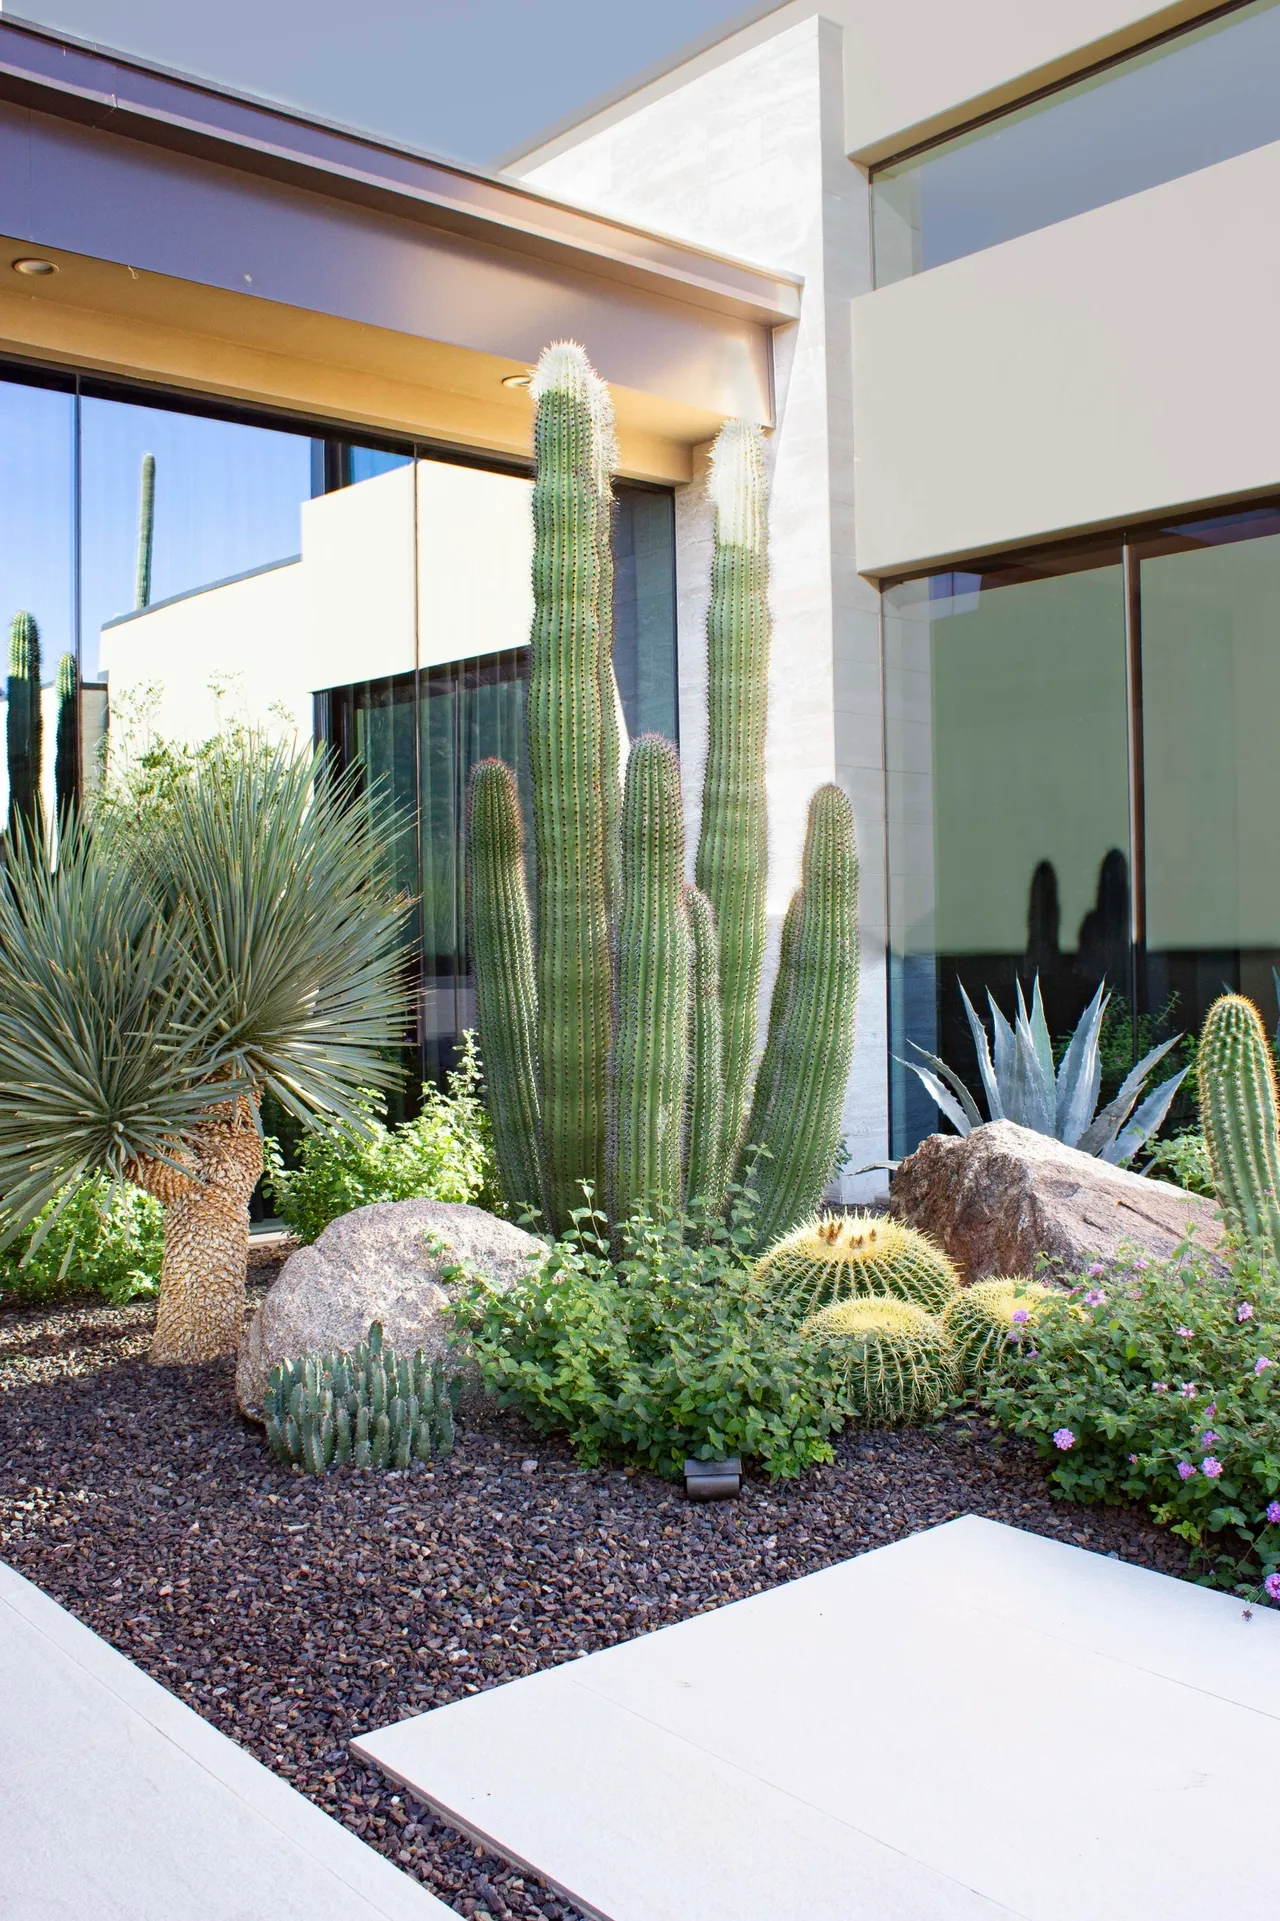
(1148, 1120)
(1101, 1135)
(1003, 1047)
(1032, 1095)
(1080, 1075)
(948, 1090)
(986, 1067)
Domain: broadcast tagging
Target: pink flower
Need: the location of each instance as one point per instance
(1159, 1387)
(1185, 1470)
(1244, 1312)
(1272, 1585)
(1261, 1363)
(1097, 1268)
(1188, 1390)
(1095, 1297)
(1273, 1513)
(1133, 1460)
(1211, 1467)
(1211, 1410)
(1020, 1315)
(1208, 1438)
(1064, 1438)
(1185, 1332)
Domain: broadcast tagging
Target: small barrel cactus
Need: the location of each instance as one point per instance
(841, 1257)
(372, 1408)
(992, 1320)
(893, 1363)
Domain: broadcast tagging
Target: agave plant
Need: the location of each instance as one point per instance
(1021, 1085)
(170, 972)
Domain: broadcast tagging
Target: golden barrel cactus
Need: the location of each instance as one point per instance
(894, 1364)
(992, 1319)
(842, 1257)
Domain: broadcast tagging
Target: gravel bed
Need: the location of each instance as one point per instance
(294, 1613)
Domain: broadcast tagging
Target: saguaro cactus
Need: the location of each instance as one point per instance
(705, 1168)
(67, 740)
(796, 1114)
(146, 530)
(24, 726)
(1238, 1115)
(651, 1045)
(732, 863)
(567, 749)
(507, 1005)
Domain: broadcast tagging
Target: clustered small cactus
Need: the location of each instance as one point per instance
(893, 1363)
(371, 1408)
(992, 1320)
(838, 1257)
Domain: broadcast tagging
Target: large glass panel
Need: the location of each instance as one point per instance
(1006, 736)
(1185, 104)
(37, 571)
(1211, 693)
(644, 610)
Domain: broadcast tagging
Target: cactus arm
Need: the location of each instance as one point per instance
(502, 951)
(1238, 1115)
(651, 1046)
(610, 732)
(705, 1168)
(798, 1121)
(566, 749)
(146, 530)
(67, 740)
(732, 860)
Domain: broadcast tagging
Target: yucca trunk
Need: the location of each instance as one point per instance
(206, 1236)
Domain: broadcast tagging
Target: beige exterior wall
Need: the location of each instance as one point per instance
(1108, 368)
(751, 150)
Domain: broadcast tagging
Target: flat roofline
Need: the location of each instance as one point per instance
(51, 72)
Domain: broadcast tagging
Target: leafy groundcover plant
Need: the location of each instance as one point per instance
(670, 1350)
(445, 1154)
(1159, 1382)
(107, 1238)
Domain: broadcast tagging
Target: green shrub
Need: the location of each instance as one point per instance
(1184, 1160)
(669, 1351)
(108, 1239)
(1159, 1382)
(445, 1154)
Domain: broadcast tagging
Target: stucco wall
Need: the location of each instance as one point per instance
(748, 157)
(1110, 367)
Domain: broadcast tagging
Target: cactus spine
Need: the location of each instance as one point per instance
(503, 949)
(981, 1324)
(1238, 1115)
(572, 441)
(146, 530)
(24, 726)
(66, 758)
(892, 1363)
(651, 1045)
(705, 1168)
(796, 1116)
(840, 1257)
(732, 864)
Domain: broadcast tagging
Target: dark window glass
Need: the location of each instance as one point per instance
(1008, 802)
(1201, 97)
(644, 610)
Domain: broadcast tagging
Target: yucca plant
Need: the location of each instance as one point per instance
(1021, 1084)
(169, 973)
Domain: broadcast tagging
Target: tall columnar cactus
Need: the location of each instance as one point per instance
(606, 451)
(567, 752)
(24, 726)
(1238, 1115)
(796, 1115)
(732, 864)
(706, 1170)
(649, 1069)
(507, 1004)
(146, 530)
(66, 760)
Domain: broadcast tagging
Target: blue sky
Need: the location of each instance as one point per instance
(470, 78)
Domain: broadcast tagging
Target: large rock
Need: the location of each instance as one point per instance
(1003, 1195)
(382, 1263)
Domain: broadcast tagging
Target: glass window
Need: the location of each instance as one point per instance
(1190, 101)
(644, 610)
(1008, 802)
(37, 576)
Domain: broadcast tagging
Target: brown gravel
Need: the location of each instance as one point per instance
(294, 1613)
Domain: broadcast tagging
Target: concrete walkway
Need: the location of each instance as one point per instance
(118, 1803)
(975, 1724)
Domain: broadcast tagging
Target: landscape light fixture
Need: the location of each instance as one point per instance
(37, 269)
(516, 380)
(713, 1480)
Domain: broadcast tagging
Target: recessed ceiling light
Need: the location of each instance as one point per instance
(516, 380)
(36, 268)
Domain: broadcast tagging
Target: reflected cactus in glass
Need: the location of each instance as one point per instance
(24, 727)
